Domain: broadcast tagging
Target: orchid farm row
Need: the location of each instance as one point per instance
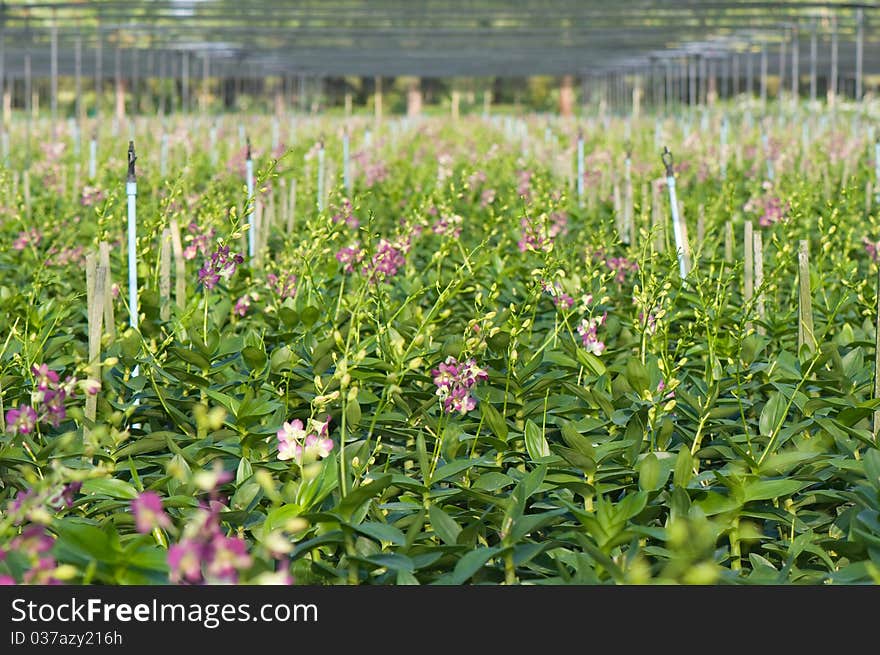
(442, 351)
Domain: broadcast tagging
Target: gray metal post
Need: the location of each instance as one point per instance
(77, 76)
(832, 85)
(814, 61)
(184, 80)
(763, 74)
(781, 68)
(734, 73)
(795, 63)
(703, 80)
(135, 82)
(99, 72)
(860, 50)
(163, 82)
(750, 74)
(27, 84)
(692, 81)
(206, 71)
(667, 98)
(53, 74)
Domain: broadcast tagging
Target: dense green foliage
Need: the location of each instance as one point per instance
(633, 427)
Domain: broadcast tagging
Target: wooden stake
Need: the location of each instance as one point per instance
(657, 222)
(179, 265)
(628, 207)
(701, 225)
(748, 262)
(257, 227)
(109, 317)
(876, 425)
(291, 207)
(728, 241)
(96, 280)
(618, 212)
(806, 335)
(27, 192)
(759, 277)
(165, 276)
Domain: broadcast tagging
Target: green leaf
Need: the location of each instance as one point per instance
(191, 356)
(577, 441)
(353, 412)
(444, 525)
(82, 542)
(110, 487)
(496, 422)
(637, 375)
(381, 532)
(649, 473)
(684, 468)
(454, 468)
(592, 363)
(255, 358)
(492, 481)
(245, 471)
(309, 315)
(872, 467)
(357, 497)
(576, 459)
(771, 489)
(772, 414)
(278, 517)
(468, 565)
(536, 443)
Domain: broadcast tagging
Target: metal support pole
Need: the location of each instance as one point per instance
(860, 50)
(692, 81)
(734, 73)
(814, 59)
(795, 63)
(677, 226)
(53, 73)
(99, 72)
(763, 75)
(77, 76)
(184, 81)
(750, 74)
(131, 192)
(832, 85)
(781, 68)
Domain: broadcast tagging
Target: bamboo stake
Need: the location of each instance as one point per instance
(748, 262)
(728, 241)
(257, 228)
(179, 265)
(283, 204)
(96, 280)
(270, 215)
(876, 425)
(759, 277)
(806, 335)
(618, 212)
(657, 222)
(701, 225)
(628, 204)
(109, 317)
(27, 192)
(165, 276)
(869, 192)
(291, 207)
